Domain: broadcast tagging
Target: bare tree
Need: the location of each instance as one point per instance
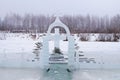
(76, 24)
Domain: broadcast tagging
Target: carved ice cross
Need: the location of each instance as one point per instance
(56, 38)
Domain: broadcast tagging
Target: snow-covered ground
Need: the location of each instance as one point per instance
(16, 43)
(17, 46)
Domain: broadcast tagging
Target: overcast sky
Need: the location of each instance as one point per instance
(68, 7)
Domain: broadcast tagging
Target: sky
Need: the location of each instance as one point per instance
(61, 7)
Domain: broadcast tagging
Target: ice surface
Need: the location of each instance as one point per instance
(37, 74)
(97, 75)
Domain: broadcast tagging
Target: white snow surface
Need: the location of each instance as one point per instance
(103, 52)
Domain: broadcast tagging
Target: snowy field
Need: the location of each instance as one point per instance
(19, 46)
(104, 53)
(20, 42)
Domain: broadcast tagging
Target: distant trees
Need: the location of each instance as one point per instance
(0, 23)
(93, 24)
(77, 24)
(26, 23)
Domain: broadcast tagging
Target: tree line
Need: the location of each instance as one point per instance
(76, 24)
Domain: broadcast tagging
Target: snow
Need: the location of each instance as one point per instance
(17, 46)
(16, 50)
(17, 43)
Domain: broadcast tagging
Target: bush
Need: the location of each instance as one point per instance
(108, 38)
(84, 37)
(103, 37)
(116, 37)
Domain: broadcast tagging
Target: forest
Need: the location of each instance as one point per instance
(76, 24)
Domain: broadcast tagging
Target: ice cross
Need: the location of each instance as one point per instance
(57, 38)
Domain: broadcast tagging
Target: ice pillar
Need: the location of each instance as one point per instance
(45, 52)
(71, 51)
